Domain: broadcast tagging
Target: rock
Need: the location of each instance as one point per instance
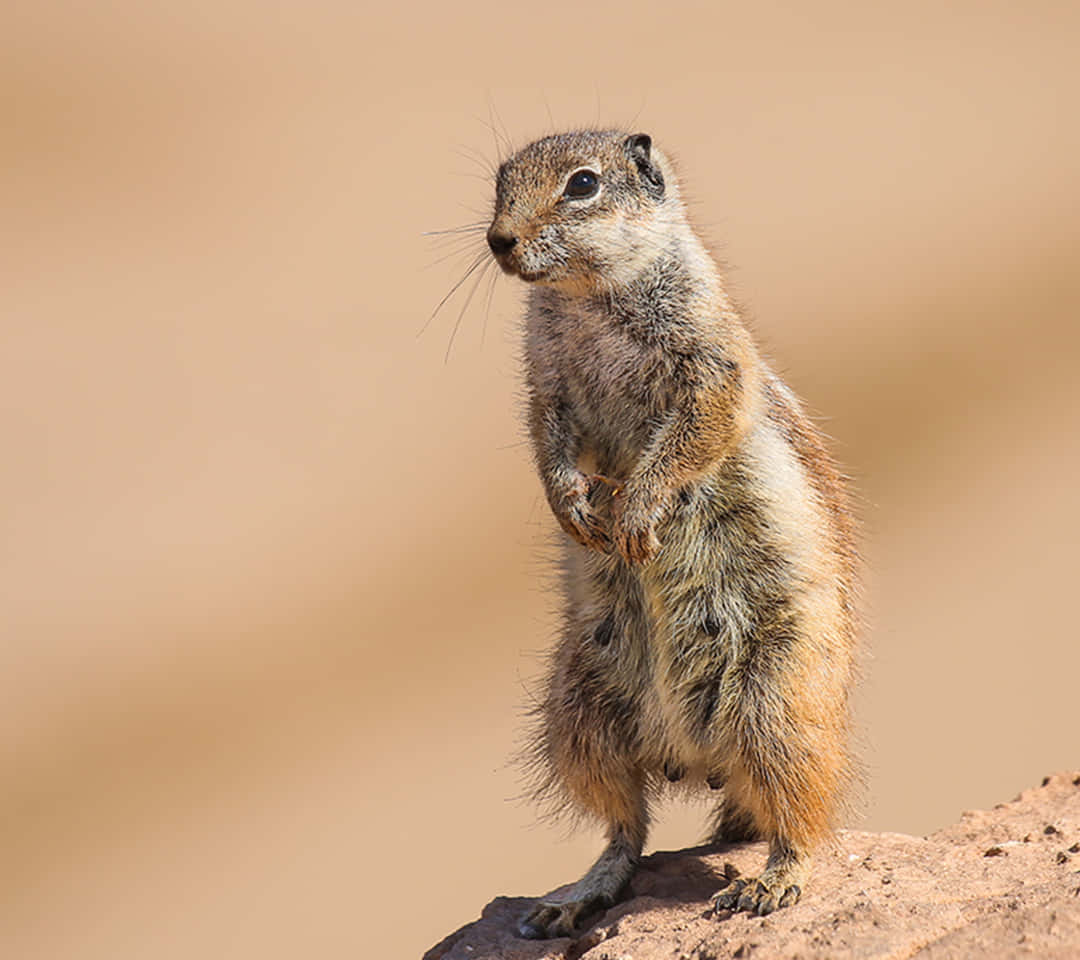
(999, 883)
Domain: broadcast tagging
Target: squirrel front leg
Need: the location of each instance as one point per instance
(702, 426)
(557, 444)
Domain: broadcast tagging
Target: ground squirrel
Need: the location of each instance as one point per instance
(710, 565)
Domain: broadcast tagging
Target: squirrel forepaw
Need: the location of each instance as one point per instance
(637, 545)
(634, 529)
(574, 511)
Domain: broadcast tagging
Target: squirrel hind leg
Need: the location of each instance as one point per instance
(780, 885)
(601, 886)
(782, 790)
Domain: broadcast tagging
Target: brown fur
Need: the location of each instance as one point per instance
(710, 563)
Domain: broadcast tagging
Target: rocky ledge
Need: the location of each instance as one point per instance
(999, 883)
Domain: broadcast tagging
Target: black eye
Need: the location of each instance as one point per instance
(584, 183)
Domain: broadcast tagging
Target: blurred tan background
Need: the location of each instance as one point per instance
(273, 573)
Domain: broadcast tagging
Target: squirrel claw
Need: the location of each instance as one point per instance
(755, 897)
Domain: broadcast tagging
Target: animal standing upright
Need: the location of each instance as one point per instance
(710, 564)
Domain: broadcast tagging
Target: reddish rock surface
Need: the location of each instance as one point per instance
(999, 883)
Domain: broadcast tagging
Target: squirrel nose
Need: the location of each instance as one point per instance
(500, 243)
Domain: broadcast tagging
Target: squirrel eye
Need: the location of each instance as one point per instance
(584, 183)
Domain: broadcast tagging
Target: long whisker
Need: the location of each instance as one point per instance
(547, 106)
(457, 251)
(484, 178)
(634, 119)
(467, 228)
(475, 156)
(456, 239)
(487, 307)
(491, 129)
(451, 237)
(480, 258)
(468, 250)
(499, 120)
(475, 212)
(464, 307)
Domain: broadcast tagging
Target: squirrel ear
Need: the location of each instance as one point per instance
(639, 147)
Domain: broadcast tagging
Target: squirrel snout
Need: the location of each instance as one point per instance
(501, 243)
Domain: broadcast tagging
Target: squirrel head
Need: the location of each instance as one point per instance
(583, 211)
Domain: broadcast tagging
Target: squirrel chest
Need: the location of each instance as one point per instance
(619, 383)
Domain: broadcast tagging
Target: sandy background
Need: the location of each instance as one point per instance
(272, 578)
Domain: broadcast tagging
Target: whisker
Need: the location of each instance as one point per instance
(457, 246)
(480, 258)
(464, 307)
(547, 106)
(634, 118)
(487, 307)
(467, 228)
(494, 134)
(475, 156)
(452, 255)
(454, 248)
(500, 138)
(463, 236)
(506, 135)
(482, 177)
(458, 250)
(466, 251)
